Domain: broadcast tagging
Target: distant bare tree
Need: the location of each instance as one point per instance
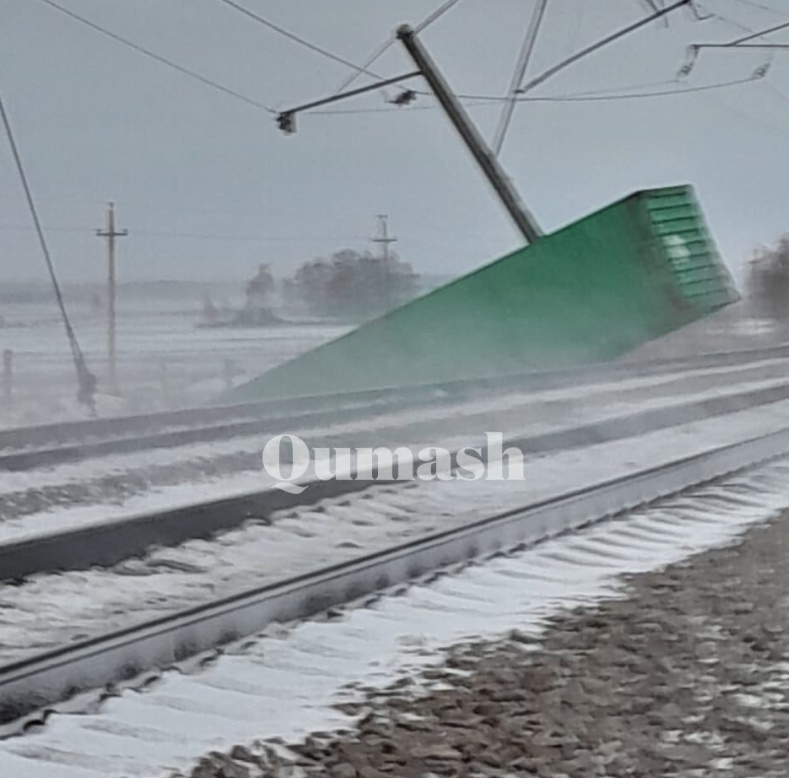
(257, 310)
(768, 280)
(259, 288)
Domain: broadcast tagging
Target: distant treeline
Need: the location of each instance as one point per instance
(351, 283)
(348, 284)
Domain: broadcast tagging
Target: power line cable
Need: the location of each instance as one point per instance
(286, 118)
(476, 101)
(296, 38)
(761, 7)
(359, 70)
(603, 97)
(732, 22)
(256, 238)
(435, 16)
(606, 41)
(391, 40)
(193, 74)
(371, 60)
(522, 63)
(760, 34)
(721, 18)
(21, 228)
(777, 92)
(654, 7)
(658, 11)
(86, 381)
(750, 118)
(743, 44)
(641, 95)
(196, 236)
(615, 90)
(409, 109)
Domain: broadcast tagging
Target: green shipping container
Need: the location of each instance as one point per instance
(631, 272)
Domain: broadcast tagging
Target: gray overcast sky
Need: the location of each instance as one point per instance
(96, 121)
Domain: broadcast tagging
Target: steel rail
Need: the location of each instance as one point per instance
(111, 542)
(49, 678)
(270, 424)
(46, 439)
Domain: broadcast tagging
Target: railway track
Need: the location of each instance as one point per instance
(110, 542)
(77, 666)
(168, 495)
(44, 680)
(253, 691)
(46, 445)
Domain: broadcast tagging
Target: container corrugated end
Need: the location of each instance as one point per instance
(677, 221)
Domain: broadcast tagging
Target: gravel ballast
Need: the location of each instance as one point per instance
(688, 675)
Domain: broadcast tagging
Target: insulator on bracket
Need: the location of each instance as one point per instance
(691, 56)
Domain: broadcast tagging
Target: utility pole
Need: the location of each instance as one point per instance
(481, 152)
(517, 78)
(110, 233)
(383, 239)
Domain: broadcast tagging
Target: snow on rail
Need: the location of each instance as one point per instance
(53, 610)
(286, 683)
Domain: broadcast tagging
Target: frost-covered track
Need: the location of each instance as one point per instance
(278, 418)
(29, 447)
(46, 679)
(315, 675)
(107, 543)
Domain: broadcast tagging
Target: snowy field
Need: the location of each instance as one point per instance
(164, 359)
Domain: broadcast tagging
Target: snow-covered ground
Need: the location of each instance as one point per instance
(54, 609)
(287, 682)
(55, 499)
(164, 360)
